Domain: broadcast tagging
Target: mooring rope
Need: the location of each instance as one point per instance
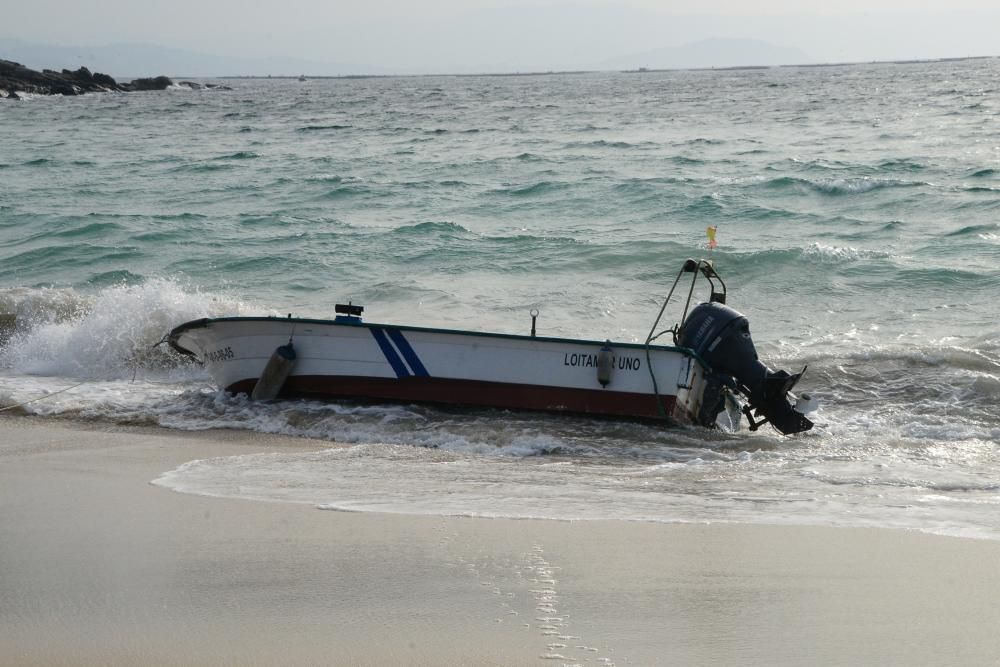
(135, 371)
(41, 398)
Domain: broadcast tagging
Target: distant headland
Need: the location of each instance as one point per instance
(16, 79)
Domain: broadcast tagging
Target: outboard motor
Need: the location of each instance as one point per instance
(721, 336)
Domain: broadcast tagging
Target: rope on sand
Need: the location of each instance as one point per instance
(40, 398)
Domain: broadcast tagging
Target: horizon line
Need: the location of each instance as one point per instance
(640, 70)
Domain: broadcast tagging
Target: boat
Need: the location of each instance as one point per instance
(709, 375)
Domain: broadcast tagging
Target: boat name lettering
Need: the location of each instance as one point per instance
(590, 360)
(220, 355)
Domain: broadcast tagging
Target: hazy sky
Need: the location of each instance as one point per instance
(456, 35)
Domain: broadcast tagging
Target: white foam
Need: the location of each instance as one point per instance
(837, 485)
(823, 252)
(104, 335)
(857, 185)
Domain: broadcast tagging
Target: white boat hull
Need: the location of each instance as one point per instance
(349, 359)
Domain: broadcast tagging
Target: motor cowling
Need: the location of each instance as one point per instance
(721, 336)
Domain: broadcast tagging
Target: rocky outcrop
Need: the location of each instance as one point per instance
(16, 78)
(155, 83)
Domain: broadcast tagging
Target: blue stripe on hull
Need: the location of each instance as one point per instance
(411, 357)
(390, 353)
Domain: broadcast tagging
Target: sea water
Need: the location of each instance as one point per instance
(858, 215)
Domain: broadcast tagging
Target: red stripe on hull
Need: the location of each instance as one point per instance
(602, 402)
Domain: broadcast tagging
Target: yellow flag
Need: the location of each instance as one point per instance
(711, 236)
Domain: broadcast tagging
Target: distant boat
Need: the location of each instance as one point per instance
(302, 77)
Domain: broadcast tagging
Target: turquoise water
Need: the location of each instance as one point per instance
(858, 211)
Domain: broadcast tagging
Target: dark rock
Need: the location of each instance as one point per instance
(65, 89)
(106, 81)
(82, 74)
(16, 77)
(157, 83)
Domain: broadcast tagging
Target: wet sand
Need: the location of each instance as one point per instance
(98, 566)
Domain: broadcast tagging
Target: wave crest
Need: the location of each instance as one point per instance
(840, 186)
(103, 335)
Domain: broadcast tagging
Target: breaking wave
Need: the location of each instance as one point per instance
(107, 334)
(839, 186)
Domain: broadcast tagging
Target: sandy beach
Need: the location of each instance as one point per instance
(99, 566)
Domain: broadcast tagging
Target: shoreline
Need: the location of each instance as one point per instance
(101, 566)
